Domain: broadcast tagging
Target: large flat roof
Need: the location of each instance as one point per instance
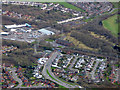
(45, 31)
(16, 26)
(4, 33)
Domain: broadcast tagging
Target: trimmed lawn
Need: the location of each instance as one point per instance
(49, 40)
(60, 86)
(115, 4)
(114, 11)
(87, 20)
(110, 24)
(53, 67)
(59, 46)
(51, 76)
(67, 5)
(67, 82)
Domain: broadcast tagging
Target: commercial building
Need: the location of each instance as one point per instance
(46, 32)
(17, 26)
(4, 33)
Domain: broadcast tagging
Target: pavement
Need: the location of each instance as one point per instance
(38, 86)
(113, 10)
(15, 77)
(94, 69)
(47, 66)
(72, 64)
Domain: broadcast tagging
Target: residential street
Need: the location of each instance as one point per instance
(69, 44)
(72, 64)
(15, 77)
(94, 69)
(47, 66)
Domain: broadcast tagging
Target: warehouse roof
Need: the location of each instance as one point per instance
(16, 26)
(45, 31)
(4, 33)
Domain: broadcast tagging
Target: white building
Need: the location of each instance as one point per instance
(46, 32)
(17, 26)
(42, 60)
(4, 33)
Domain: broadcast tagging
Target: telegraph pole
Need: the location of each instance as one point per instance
(35, 49)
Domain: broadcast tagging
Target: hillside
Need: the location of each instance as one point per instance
(111, 24)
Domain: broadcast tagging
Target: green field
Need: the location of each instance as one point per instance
(49, 40)
(115, 5)
(111, 25)
(67, 5)
(51, 76)
(60, 86)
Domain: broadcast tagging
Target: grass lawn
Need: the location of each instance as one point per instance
(51, 76)
(87, 20)
(67, 5)
(115, 4)
(67, 82)
(33, 78)
(49, 40)
(53, 67)
(59, 46)
(90, 19)
(114, 11)
(60, 86)
(111, 25)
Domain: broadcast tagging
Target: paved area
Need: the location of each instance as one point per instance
(72, 64)
(47, 66)
(94, 69)
(16, 78)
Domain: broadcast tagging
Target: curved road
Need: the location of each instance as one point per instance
(47, 66)
(16, 78)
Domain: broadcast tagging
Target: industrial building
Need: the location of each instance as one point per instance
(17, 26)
(4, 33)
(46, 32)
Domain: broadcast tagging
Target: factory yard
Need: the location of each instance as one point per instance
(25, 32)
